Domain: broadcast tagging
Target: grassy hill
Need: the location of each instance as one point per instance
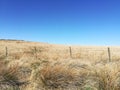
(42, 66)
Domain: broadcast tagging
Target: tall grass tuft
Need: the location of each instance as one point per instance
(107, 77)
(56, 76)
(9, 77)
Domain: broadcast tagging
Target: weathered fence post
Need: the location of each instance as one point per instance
(109, 54)
(6, 51)
(70, 52)
(35, 52)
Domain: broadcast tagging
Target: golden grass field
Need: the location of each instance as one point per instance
(42, 66)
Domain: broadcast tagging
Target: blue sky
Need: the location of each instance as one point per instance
(83, 22)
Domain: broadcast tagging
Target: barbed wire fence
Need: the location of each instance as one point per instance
(109, 52)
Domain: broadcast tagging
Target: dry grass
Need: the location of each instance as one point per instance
(50, 67)
(57, 75)
(9, 77)
(107, 77)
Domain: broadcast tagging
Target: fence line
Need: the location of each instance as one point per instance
(70, 52)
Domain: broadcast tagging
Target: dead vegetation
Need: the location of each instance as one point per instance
(9, 77)
(38, 66)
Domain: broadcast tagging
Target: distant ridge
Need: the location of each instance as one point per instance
(15, 40)
(10, 40)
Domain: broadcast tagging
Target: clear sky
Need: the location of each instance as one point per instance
(83, 22)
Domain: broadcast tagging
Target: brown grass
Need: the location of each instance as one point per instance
(57, 75)
(9, 77)
(48, 66)
(107, 77)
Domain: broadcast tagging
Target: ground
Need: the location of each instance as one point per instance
(42, 66)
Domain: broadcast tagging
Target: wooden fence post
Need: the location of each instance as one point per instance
(35, 52)
(109, 54)
(6, 51)
(70, 52)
